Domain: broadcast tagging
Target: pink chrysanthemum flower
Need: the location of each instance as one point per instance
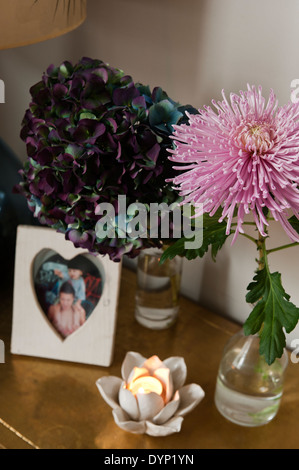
(243, 158)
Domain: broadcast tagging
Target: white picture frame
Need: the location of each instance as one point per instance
(34, 331)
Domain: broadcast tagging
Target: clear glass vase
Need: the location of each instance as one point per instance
(248, 390)
(158, 288)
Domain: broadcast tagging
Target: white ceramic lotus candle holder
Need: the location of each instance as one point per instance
(151, 397)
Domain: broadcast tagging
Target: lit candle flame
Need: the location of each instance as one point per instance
(146, 384)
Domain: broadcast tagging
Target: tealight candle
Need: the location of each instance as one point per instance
(146, 385)
(151, 396)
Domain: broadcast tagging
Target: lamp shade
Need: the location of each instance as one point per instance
(24, 22)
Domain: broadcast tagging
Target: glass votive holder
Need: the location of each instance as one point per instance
(158, 289)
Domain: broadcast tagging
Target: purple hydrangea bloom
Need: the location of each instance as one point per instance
(92, 134)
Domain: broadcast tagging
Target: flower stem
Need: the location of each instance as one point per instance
(262, 262)
(261, 246)
(249, 238)
(282, 247)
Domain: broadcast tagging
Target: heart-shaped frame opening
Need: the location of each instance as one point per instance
(67, 290)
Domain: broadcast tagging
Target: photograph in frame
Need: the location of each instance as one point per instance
(65, 299)
(67, 290)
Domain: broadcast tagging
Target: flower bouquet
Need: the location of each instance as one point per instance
(93, 136)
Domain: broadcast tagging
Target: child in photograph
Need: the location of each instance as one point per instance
(75, 277)
(65, 316)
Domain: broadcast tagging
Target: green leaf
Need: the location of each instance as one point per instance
(294, 223)
(214, 236)
(272, 313)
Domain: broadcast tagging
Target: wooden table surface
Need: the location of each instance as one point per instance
(50, 404)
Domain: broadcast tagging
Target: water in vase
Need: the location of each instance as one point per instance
(157, 294)
(248, 390)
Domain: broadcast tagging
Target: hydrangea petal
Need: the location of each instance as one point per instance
(88, 126)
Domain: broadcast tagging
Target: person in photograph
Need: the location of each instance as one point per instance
(47, 282)
(66, 315)
(75, 276)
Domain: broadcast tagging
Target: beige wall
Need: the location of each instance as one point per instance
(192, 48)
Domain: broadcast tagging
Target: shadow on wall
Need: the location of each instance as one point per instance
(214, 283)
(155, 42)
